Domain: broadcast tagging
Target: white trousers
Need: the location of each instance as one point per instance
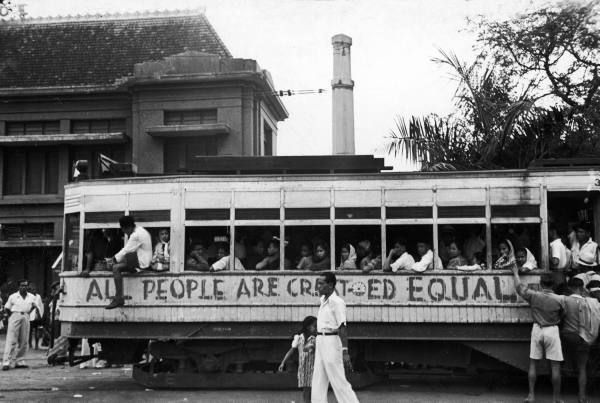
(17, 338)
(329, 368)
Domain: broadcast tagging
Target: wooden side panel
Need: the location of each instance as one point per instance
(515, 195)
(262, 199)
(307, 198)
(408, 197)
(358, 198)
(457, 197)
(117, 202)
(194, 199)
(150, 201)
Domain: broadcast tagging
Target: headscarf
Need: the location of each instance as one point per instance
(349, 263)
(505, 261)
(530, 263)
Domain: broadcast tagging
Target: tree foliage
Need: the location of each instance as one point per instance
(532, 92)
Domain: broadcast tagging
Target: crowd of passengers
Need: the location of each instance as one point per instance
(263, 253)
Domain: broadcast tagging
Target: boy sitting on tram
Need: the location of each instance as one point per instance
(398, 258)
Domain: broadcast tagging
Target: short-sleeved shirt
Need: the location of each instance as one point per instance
(225, 264)
(140, 243)
(404, 262)
(332, 313)
(16, 303)
(586, 254)
(571, 320)
(546, 307)
(559, 251)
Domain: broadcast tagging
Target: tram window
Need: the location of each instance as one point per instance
(565, 210)
(462, 245)
(308, 247)
(507, 239)
(99, 245)
(259, 247)
(365, 240)
(71, 246)
(417, 239)
(201, 249)
(161, 247)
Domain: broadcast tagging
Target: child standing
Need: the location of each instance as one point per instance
(304, 342)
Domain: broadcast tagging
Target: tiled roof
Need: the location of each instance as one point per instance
(97, 50)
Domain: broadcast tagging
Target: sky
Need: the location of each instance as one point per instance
(394, 42)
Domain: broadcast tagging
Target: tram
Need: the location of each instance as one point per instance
(231, 328)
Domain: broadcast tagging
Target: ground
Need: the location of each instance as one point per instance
(63, 383)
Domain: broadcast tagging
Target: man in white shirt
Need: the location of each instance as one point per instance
(398, 258)
(559, 262)
(584, 251)
(136, 254)
(331, 354)
(224, 260)
(19, 306)
(426, 262)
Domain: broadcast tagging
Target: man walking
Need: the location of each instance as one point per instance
(579, 330)
(137, 253)
(546, 310)
(19, 306)
(331, 354)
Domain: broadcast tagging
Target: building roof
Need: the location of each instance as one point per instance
(97, 50)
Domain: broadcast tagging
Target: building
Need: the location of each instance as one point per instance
(154, 89)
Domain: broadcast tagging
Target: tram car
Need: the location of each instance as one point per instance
(231, 328)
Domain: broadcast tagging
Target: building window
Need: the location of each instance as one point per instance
(190, 117)
(180, 153)
(267, 139)
(31, 128)
(17, 232)
(98, 126)
(31, 171)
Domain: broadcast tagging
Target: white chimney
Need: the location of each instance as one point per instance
(342, 89)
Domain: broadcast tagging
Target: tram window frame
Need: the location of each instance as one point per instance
(424, 233)
(71, 232)
(210, 236)
(357, 229)
(297, 236)
(246, 231)
(511, 231)
(460, 233)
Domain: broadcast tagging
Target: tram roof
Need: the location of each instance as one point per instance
(335, 167)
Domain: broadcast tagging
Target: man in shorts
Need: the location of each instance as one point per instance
(136, 254)
(579, 330)
(546, 310)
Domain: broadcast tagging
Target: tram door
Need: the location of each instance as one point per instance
(565, 209)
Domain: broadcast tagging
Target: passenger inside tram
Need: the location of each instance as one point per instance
(255, 254)
(455, 256)
(321, 260)
(368, 257)
(525, 260)
(474, 242)
(447, 236)
(398, 258)
(426, 261)
(347, 257)
(306, 257)
(101, 244)
(506, 260)
(162, 252)
(477, 263)
(271, 261)
(224, 260)
(197, 259)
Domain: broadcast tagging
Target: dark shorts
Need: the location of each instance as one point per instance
(131, 263)
(576, 350)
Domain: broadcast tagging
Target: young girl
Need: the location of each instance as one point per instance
(321, 258)
(347, 257)
(507, 256)
(306, 259)
(456, 257)
(304, 342)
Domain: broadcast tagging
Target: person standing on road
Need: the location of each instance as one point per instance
(19, 306)
(579, 330)
(547, 311)
(331, 355)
